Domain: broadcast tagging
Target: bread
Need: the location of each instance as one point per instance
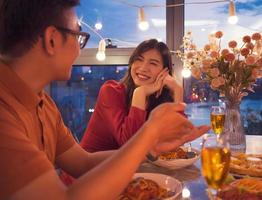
(246, 164)
(242, 189)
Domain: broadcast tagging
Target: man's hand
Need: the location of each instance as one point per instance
(172, 128)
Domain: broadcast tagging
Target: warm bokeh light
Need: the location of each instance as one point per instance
(186, 73)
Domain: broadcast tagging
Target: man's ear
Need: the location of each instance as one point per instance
(49, 39)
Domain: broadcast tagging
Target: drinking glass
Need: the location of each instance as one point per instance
(217, 118)
(215, 160)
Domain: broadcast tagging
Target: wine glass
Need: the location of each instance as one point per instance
(217, 118)
(215, 160)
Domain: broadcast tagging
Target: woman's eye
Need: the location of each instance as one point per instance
(153, 63)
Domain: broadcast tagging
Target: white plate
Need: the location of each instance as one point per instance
(164, 181)
(177, 163)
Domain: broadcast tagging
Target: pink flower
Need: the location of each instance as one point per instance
(250, 60)
(214, 54)
(214, 72)
(259, 62)
(215, 83)
(246, 39)
(255, 74)
(221, 80)
(207, 47)
(224, 52)
(206, 63)
(218, 34)
(256, 36)
(250, 45)
(196, 73)
(230, 57)
(193, 46)
(232, 44)
(244, 51)
(190, 55)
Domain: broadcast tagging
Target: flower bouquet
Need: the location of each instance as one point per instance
(232, 71)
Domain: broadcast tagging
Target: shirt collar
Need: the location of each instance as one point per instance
(18, 88)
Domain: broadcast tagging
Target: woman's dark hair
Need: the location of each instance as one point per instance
(23, 21)
(167, 62)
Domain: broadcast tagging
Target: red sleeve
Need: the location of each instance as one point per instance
(111, 104)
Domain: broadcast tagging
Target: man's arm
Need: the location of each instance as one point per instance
(165, 129)
(76, 161)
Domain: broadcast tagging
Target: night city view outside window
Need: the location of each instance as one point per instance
(209, 19)
(120, 21)
(76, 97)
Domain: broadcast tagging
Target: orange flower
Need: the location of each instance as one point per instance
(259, 62)
(214, 72)
(256, 36)
(250, 45)
(196, 73)
(250, 60)
(214, 54)
(224, 52)
(244, 51)
(230, 57)
(246, 39)
(232, 44)
(207, 47)
(218, 34)
(215, 83)
(207, 63)
(221, 80)
(190, 55)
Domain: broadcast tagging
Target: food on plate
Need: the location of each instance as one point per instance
(246, 164)
(144, 189)
(179, 153)
(242, 189)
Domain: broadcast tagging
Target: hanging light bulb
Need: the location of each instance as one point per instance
(101, 50)
(142, 23)
(232, 19)
(98, 26)
(186, 73)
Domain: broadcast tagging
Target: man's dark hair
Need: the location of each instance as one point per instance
(23, 21)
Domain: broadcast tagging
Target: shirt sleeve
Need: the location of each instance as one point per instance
(65, 139)
(21, 161)
(122, 123)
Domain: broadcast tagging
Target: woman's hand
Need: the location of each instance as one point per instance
(142, 92)
(156, 85)
(176, 89)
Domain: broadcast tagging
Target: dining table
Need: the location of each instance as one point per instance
(194, 185)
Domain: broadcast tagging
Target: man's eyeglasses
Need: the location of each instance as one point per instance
(82, 37)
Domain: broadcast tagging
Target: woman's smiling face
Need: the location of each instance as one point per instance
(146, 67)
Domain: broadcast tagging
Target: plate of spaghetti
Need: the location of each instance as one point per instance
(148, 186)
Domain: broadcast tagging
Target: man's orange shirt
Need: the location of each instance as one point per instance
(32, 133)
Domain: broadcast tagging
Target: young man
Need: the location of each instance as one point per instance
(39, 41)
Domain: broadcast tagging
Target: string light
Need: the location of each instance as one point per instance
(232, 19)
(186, 73)
(142, 23)
(98, 26)
(101, 50)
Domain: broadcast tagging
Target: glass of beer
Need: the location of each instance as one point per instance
(217, 117)
(215, 160)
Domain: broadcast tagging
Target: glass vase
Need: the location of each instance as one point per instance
(234, 128)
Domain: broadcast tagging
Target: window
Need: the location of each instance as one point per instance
(76, 97)
(204, 19)
(119, 21)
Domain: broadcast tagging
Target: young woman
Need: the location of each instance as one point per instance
(122, 107)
